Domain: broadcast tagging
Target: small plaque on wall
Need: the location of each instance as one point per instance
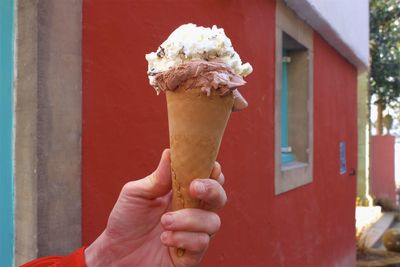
(343, 168)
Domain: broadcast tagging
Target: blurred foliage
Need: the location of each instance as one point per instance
(385, 50)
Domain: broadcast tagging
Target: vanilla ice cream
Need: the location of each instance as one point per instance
(190, 42)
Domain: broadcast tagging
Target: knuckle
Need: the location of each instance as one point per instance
(128, 187)
(188, 221)
(213, 189)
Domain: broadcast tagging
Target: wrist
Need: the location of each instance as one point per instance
(100, 252)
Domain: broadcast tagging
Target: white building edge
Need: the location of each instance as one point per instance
(344, 24)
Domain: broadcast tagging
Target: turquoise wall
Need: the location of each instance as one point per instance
(6, 133)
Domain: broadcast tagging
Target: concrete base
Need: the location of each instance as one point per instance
(366, 216)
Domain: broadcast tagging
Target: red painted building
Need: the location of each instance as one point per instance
(383, 186)
(297, 213)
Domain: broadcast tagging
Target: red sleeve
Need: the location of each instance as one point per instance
(76, 259)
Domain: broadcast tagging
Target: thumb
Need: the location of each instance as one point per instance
(154, 185)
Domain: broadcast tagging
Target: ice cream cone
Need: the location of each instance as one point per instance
(196, 126)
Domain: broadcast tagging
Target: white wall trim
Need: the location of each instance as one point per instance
(332, 21)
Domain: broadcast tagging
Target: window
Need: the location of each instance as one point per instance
(293, 101)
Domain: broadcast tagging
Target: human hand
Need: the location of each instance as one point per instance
(141, 231)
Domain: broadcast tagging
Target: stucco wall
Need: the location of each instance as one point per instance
(47, 128)
(25, 165)
(383, 187)
(59, 126)
(125, 130)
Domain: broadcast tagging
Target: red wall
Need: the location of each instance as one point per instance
(382, 168)
(125, 130)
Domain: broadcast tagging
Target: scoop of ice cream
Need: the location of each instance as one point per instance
(190, 42)
(205, 75)
(199, 74)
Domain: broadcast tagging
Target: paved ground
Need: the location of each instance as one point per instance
(377, 255)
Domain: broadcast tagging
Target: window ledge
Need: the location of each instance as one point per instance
(293, 165)
(292, 175)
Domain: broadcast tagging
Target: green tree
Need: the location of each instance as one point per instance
(385, 54)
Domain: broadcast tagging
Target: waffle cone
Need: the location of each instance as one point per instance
(196, 126)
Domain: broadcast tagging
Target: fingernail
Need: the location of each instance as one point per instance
(167, 219)
(200, 187)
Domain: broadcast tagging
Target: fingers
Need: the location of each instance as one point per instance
(156, 184)
(210, 192)
(187, 233)
(217, 174)
(191, 220)
(186, 248)
(194, 242)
